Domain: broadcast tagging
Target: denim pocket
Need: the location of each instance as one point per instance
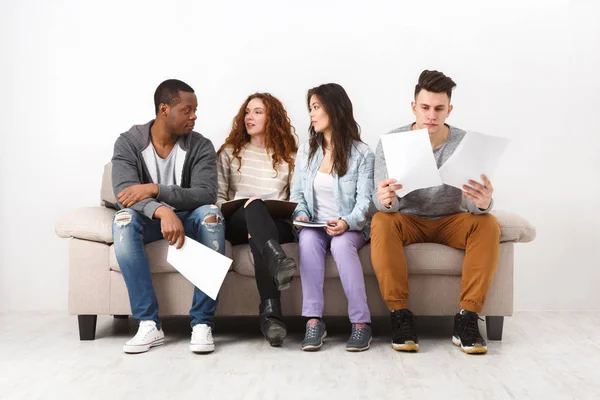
(348, 183)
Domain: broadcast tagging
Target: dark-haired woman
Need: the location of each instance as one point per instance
(333, 184)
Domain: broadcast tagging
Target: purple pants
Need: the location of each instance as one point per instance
(344, 249)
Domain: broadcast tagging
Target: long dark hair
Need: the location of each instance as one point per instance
(344, 129)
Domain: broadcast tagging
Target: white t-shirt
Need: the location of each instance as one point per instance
(325, 206)
(165, 167)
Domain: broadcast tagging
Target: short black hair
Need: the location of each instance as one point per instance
(168, 93)
(436, 82)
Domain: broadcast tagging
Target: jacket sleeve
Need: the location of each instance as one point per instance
(358, 218)
(203, 182)
(125, 174)
(297, 189)
(473, 209)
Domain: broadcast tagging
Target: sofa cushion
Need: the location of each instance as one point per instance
(95, 223)
(107, 196)
(88, 223)
(422, 259)
(157, 255)
(514, 228)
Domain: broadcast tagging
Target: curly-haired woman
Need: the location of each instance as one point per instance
(257, 159)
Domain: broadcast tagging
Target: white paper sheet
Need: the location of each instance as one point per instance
(409, 159)
(202, 266)
(476, 154)
(310, 224)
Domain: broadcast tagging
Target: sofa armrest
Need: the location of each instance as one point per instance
(514, 227)
(88, 223)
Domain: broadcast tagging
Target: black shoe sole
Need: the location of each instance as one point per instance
(275, 333)
(284, 274)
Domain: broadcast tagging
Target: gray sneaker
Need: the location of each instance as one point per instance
(315, 333)
(360, 339)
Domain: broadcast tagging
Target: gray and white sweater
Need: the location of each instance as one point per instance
(430, 203)
(195, 170)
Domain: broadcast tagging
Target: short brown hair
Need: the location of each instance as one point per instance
(436, 82)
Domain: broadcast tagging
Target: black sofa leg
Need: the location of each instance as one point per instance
(87, 326)
(494, 327)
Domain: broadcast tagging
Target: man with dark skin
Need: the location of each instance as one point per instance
(165, 179)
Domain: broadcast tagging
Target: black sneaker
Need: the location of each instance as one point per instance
(466, 333)
(404, 335)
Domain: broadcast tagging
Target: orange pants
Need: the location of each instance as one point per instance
(478, 235)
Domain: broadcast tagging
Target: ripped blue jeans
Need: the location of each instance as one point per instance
(132, 230)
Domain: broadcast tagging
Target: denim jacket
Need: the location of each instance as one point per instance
(352, 191)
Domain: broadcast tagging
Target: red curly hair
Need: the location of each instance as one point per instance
(280, 137)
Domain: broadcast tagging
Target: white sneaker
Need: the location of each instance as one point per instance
(202, 340)
(148, 335)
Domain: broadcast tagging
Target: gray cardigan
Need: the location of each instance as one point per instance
(196, 170)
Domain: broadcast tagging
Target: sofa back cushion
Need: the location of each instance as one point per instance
(107, 197)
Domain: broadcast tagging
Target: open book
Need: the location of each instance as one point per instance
(278, 209)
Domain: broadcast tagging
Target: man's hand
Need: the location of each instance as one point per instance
(304, 219)
(170, 226)
(136, 193)
(336, 227)
(480, 194)
(385, 192)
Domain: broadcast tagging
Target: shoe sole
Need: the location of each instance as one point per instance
(469, 350)
(275, 335)
(314, 347)
(142, 348)
(202, 348)
(359, 349)
(409, 346)
(285, 274)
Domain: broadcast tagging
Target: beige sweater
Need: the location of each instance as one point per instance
(256, 177)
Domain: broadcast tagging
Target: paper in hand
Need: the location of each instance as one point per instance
(308, 224)
(475, 155)
(204, 267)
(410, 160)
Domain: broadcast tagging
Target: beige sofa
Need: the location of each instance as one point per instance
(96, 286)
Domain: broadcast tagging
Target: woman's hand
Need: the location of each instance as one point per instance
(303, 219)
(336, 227)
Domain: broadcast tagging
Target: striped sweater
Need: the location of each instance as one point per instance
(256, 176)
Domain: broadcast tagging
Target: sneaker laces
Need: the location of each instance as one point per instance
(312, 328)
(471, 326)
(197, 333)
(144, 329)
(403, 322)
(358, 331)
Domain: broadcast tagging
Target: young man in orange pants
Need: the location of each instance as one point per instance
(434, 215)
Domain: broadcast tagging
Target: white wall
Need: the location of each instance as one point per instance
(76, 74)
